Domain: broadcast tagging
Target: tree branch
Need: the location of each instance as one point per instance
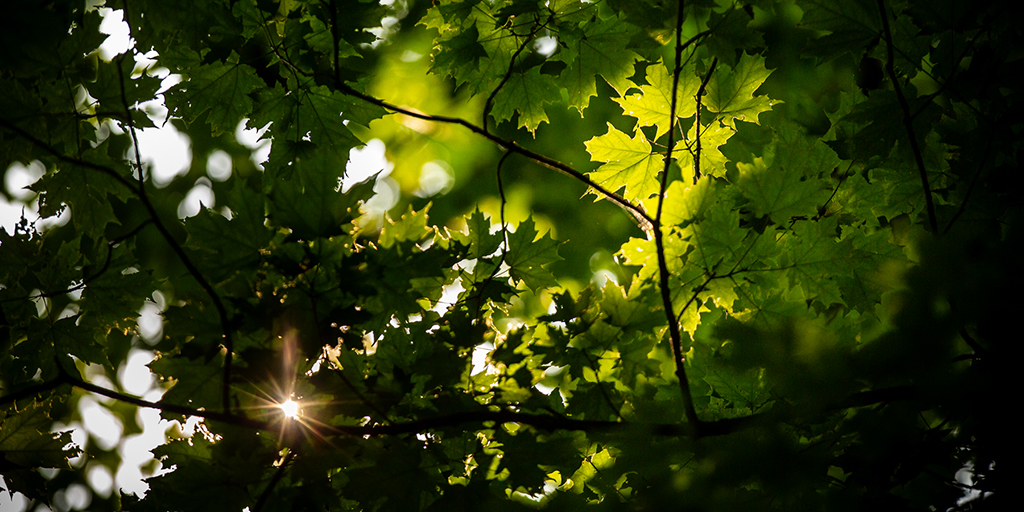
(262, 501)
(175, 246)
(64, 158)
(675, 336)
(908, 120)
(643, 219)
(151, 210)
(700, 94)
(549, 422)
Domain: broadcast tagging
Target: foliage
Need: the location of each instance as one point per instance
(818, 241)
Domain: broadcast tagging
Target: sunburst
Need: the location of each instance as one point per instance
(290, 409)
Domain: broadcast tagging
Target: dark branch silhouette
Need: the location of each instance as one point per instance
(908, 120)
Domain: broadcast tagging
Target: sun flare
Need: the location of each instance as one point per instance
(290, 408)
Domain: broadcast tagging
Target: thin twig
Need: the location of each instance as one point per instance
(334, 39)
(824, 206)
(285, 464)
(908, 121)
(504, 234)
(643, 219)
(970, 188)
(508, 74)
(700, 94)
(89, 279)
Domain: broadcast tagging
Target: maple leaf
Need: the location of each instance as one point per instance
(796, 269)
(596, 48)
(730, 93)
(220, 88)
(525, 94)
(529, 254)
(790, 184)
(629, 163)
(684, 203)
(846, 25)
(25, 439)
(652, 105)
(462, 51)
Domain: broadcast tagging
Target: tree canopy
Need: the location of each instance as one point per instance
(624, 254)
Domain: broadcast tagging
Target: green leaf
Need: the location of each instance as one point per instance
(682, 203)
(221, 90)
(412, 226)
(816, 259)
(194, 382)
(448, 363)
(218, 475)
(86, 191)
(730, 93)
(481, 241)
(26, 440)
(712, 162)
(462, 51)
(844, 26)
(653, 104)
(310, 202)
(746, 391)
(525, 94)
(230, 246)
(789, 184)
(630, 165)
(596, 48)
(529, 254)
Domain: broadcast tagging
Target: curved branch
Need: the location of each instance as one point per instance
(64, 158)
(175, 246)
(643, 219)
(908, 119)
(151, 210)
